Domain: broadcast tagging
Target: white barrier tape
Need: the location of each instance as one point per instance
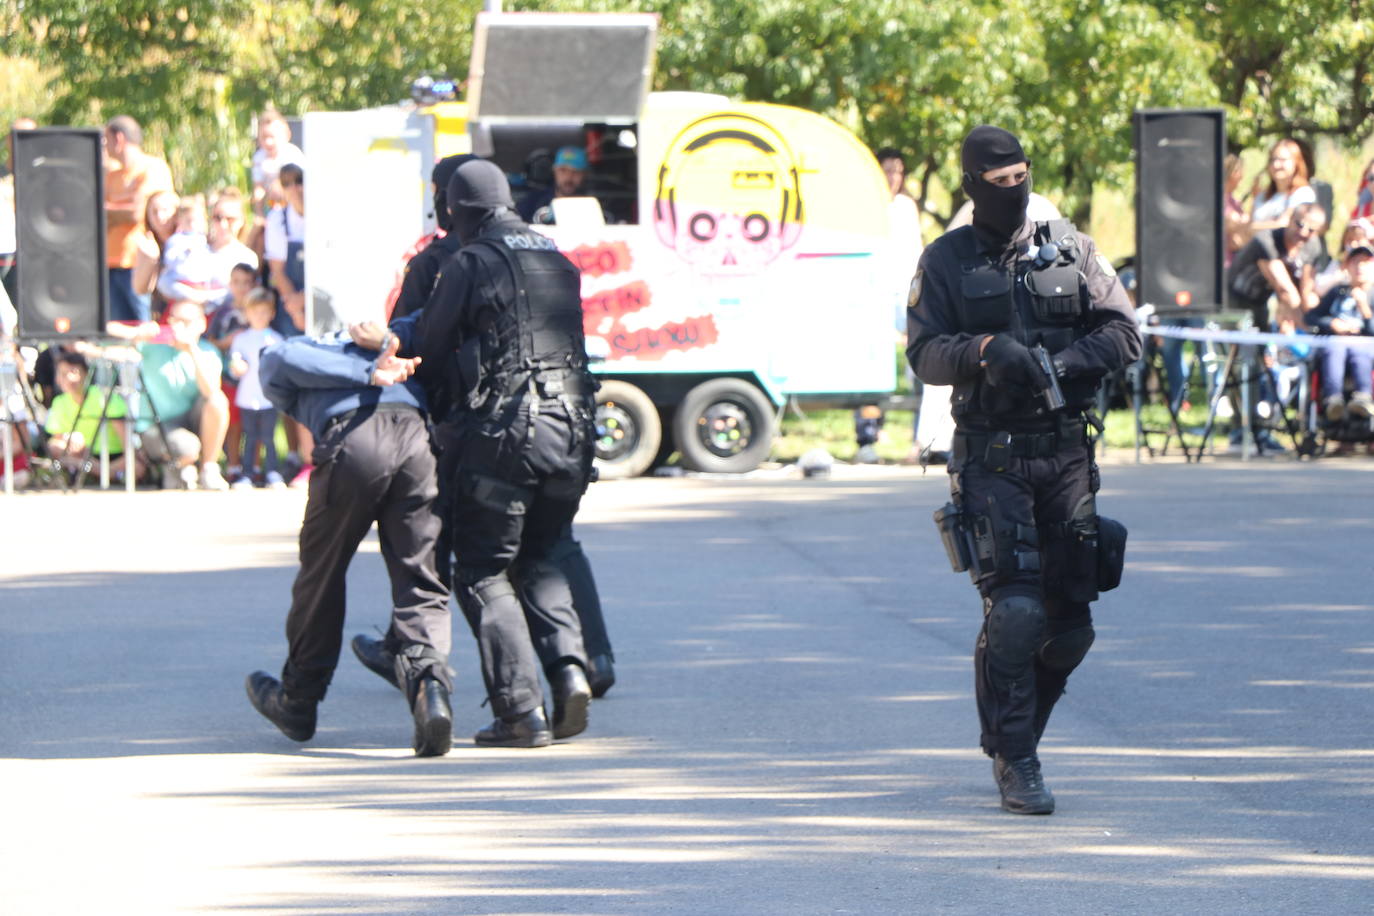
(1260, 338)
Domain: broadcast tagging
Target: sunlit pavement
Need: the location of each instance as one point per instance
(793, 730)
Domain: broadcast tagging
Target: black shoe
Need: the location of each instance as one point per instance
(433, 719)
(372, 652)
(530, 729)
(571, 697)
(1023, 788)
(295, 718)
(600, 674)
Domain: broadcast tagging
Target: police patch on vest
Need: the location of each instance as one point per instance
(1106, 266)
(913, 295)
(528, 241)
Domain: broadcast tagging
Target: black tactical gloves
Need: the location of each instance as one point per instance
(1010, 364)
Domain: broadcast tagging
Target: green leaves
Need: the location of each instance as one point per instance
(1064, 74)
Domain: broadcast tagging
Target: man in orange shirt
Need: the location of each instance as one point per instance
(131, 177)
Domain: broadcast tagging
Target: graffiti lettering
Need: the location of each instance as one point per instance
(602, 259)
(655, 343)
(614, 303)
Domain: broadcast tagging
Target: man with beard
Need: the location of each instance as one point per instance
(1024, 319)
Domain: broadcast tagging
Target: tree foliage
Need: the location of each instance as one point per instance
(1065, 74)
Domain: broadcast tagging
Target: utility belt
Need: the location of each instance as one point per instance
(558, 383)
(997, 448)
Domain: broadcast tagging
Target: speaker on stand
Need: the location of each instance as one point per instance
(1179, 262)
(59, 183)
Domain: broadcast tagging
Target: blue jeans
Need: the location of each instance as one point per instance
(124, 305)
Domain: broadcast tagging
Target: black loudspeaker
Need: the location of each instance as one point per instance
(1178, 209)
(59, 184)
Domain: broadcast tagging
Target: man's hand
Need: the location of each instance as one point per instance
(1009, 363)
(368, 334)
(391, 369)
(184, 336)
(1344, 326)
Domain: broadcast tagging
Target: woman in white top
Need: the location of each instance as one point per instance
(1289, 185)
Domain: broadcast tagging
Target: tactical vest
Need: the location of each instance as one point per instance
(534, 345)
(1040, 299)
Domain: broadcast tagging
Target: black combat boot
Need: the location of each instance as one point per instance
(528, 729)
(571, 697)
(295, 718)
(1022, 786)
(600, 674)
(433, 719)
(375, 656)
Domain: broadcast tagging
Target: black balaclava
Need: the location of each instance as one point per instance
(997, 212)
(442, 174)
(477, 192)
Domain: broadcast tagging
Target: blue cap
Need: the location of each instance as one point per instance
(574, 157)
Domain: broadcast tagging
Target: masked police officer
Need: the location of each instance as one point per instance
(503, 328)
(1023, 319)
(422, 271)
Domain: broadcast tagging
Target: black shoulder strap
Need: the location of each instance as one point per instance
(522, 296)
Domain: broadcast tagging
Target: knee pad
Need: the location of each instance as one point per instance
(1015, 626)
(1064, 651)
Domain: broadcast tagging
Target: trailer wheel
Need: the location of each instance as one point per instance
(628, 430)
(724, 425)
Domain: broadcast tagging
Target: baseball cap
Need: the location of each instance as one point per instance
(574, 157)
(1359, 248)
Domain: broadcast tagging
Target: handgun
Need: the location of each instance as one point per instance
(1053, 394)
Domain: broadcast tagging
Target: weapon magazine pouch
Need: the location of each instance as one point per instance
(954, 535)
(1111, 553)
(987, 299)
(1054, 293)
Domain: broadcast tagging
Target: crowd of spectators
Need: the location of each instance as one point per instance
(200, 280)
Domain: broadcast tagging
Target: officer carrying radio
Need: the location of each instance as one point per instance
(1024, 319)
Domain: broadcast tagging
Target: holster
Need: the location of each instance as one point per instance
(1111, 553)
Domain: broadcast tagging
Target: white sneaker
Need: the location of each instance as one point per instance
(188, 478)
(212, 479)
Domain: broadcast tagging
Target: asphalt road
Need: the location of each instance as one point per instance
(793, 730)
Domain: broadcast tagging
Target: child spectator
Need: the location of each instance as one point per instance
(75, 415)
(1346, 311)
(226, 321)
(228, 316)
(257, 414)
(1357, 231)
(188, 272)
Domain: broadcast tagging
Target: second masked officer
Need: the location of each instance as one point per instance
(502, 336)
(1024, 319)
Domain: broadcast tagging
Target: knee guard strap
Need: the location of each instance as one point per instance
(1065, 651)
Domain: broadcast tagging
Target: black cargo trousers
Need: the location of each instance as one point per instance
(1032, 507)
(371, 465)
(567, 553)
(507, 519)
